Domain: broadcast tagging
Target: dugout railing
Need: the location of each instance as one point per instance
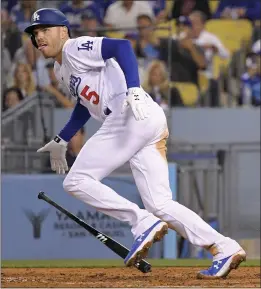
(31, 121)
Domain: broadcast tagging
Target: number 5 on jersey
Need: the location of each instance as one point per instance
(91, 96)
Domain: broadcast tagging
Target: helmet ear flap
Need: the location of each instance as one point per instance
(34, 41)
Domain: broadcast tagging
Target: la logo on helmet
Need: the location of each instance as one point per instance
(36, 16)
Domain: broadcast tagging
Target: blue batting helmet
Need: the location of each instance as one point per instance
(48, 17)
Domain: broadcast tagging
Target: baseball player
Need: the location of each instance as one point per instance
(102, 74)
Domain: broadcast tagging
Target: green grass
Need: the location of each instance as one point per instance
(111, 263)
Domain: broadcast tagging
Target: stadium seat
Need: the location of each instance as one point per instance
(203, 82)
(233, 33)
(115, 34)
(169, 6)
(170, 29)
(188, 91)
(213, 5)
(219, 65)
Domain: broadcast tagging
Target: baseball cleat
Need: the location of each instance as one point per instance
(143, 243)
(221, 268)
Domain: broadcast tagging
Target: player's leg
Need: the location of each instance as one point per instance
(114, 144)
(150, 170)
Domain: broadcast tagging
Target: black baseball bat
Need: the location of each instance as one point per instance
(115, 246)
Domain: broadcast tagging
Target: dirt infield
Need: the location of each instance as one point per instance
(123, 277)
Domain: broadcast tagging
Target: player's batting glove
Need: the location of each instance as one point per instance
(57, 148)
(137, 100)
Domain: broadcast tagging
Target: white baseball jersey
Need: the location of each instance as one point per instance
(88, 77)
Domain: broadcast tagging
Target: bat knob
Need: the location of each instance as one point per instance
(147, 268)
(144, 268)
(40, 195)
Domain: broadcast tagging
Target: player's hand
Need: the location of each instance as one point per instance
(137, 100)
(57, 148)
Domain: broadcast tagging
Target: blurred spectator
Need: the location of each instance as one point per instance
(49, 4)
(40, 4)
(23, 79)
(159, 8)
(53, 80)
(75, 8)
(89, 25)
(8, 4)
(157, 85)
(55, 89)
(256, 48)
(6, 64)
(103, 5)
(123, 14)
(251, 81)
(211, 45)
(183, 27)
(11, 36)
(11, 97)
(256, 34)
(185, 7)
(29, 54)
(187, 58)
(208, 41)
(146, 45)
(5, 20)
(235, 9)
(22, 12)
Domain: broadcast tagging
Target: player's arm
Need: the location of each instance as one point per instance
(58, 146)
(122, 51)
(78, 119)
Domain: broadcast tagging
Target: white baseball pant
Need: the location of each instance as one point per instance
(121, 139)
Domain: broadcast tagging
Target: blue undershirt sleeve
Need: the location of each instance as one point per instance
(79, 117)
(122, 51)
